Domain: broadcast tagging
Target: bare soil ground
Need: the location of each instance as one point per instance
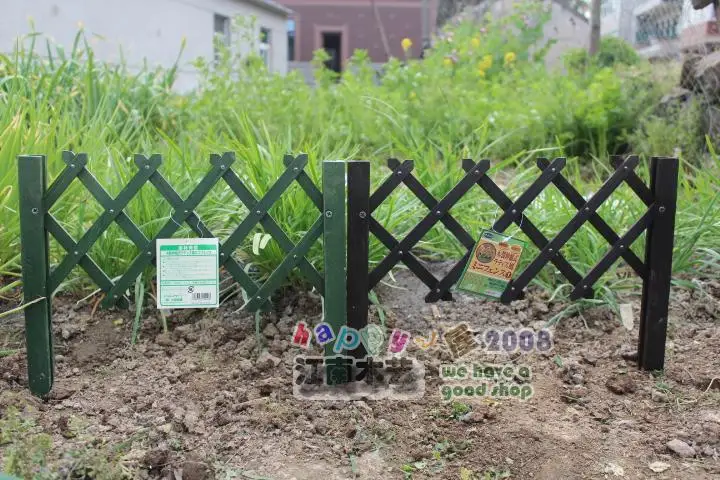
(205, 400)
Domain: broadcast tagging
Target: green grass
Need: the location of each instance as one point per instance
(435, 112)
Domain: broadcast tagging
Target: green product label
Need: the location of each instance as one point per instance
(187, 272)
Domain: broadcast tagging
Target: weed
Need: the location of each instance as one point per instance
(459, 409)
(26, 449)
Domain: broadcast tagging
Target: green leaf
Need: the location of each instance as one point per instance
(139, 294)
(265, 239)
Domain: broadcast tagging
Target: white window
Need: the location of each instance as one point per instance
(291, 40)
(221, 30)
(265, 45)
(607, 7)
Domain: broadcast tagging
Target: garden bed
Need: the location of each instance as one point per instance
(203, 401)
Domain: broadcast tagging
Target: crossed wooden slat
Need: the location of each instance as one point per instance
(183, 213)
(513, 212)
(439, 212)
(585, 212)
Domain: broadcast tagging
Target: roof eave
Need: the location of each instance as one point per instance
(272, 7)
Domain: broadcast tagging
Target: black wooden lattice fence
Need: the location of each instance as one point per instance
(658, 221)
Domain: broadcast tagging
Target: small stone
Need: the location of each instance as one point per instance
(708, 451)
(66, 334)
(165, 428)
(711, 417)
(615, 470)
(351, 431)
(76, 371)
(578, 392)
(364, 406)
(681, 448)
(621, 384)
(659, 467)
(572, 412)
(538, 325)
(473, 417)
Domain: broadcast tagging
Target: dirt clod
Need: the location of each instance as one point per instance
(61, 392)
(659, 397)
(155, 460)
(164, 340)
(320, 426)
(621, 384)
(271, 331)
(192, 470)
(629, 354)
(267, 361)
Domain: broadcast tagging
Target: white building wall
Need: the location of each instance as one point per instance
(610, 18)
(569, 32)
(139, 30)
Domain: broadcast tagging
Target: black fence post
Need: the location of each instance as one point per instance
(32, 184)
(658, 259)
(358, 234)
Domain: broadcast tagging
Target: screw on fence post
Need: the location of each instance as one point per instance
(32, 183)
(334, 250)
(658, 258)
(358, 241)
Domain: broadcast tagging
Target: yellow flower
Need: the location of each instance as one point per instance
(509, 57)
(481, 73)
(412, 95)
(475, 42)
(447, 61)
(406, 44)
(486, 63)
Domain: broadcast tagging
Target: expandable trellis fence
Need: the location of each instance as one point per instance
(347, 278)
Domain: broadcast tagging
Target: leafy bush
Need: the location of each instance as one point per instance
(613, 51)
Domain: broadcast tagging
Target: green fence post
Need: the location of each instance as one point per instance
(334, 246)
(32, 182)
